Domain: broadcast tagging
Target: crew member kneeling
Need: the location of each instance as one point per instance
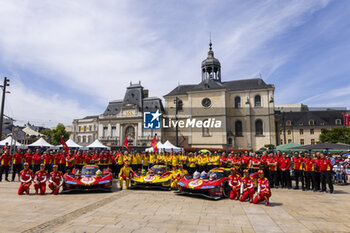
(234, 181)
(247, 187)
(125, 174)
(40, 179)
(25, 177)
(56, 180)
(264, 192)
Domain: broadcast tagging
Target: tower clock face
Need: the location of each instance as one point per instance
(206, 102)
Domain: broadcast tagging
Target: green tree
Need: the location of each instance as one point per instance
(270, 147)
(335, 135)
(54, 135)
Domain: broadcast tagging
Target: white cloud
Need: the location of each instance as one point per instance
(97, 47)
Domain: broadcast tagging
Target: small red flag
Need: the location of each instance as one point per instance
(346, 119)
(154, 144)
(126, 144)
(65, 147)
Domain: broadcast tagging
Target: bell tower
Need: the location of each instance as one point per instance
(211, 68)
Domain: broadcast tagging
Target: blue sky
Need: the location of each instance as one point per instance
(67, 59)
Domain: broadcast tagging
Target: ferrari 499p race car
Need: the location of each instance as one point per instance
(158, 177)
(214, 185)
(90, 178)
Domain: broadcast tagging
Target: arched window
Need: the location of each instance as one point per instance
(257, 101)
(237, 102)
(259, 128)
(289, 123)
(205, 130)
(311, 122)
(238, 128)
(180, 105)
(338, 122)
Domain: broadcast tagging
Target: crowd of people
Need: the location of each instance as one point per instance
(310, 171)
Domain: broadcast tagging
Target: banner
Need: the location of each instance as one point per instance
(346, 119)
(154, 144)
(65, 147)
(126, 144)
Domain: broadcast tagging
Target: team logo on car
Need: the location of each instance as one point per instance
(195, 183)
(87, 180)
(149, 178)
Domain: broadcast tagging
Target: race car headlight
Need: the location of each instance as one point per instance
(104, 182)
(70, 182)
(208, 187)
(181, 184)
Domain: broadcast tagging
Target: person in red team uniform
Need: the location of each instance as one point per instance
(326, 169)
(62, 163)
(79, 160)
(247, 187)
(298, 170)
(28, 157)
(224, 160)
(264, 192)
(245, 160)
(309, 172)
(56, 180)
(25, 177)
(5, 160)
(70, 159)
(40, 179)
(284, 165)
(48, 159)
(272, 164)
(36, 160)
(18, 158)
(234, 181)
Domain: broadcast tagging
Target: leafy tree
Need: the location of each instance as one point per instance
(270, 147)
(54, 135)
(335, 135)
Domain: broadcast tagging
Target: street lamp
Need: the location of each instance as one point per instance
(176, 102)
(6, 80)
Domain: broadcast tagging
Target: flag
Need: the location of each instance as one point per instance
(154, 143)
(126, 144)
(346, 119)
(65, 147)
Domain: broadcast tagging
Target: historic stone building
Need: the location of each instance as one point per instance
(122, 118)
(305, 126)
(245, 109)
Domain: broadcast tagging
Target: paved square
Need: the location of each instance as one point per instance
(164, 211)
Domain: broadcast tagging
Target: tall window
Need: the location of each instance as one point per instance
(89, 139)
(205, 130)
(289, 132)
(105, 131)
(281, 141)
(312, 141)
(289, 140)
(259, 128)
(114, 131)
(301, 131)
(238, 128)
(302, 142)
(237, 102)
(312, 131)
(84, 139)
(257, 101)
(289, 123)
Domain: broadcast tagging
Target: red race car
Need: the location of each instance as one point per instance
(90, 178)
(213, 185)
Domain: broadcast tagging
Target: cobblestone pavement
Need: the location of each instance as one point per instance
(163, 211)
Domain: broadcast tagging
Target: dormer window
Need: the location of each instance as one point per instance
(289, 123)
(338, 122)
(311, 122)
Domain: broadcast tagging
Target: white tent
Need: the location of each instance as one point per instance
(150, 149)
(70, 143)
(42, 143)
(98, 144)
(10, 142)
(168, 147)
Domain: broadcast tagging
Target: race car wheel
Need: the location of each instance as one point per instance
(226, 190)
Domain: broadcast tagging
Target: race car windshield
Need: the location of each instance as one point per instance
(89, 171)
(157, 169)
(219, 175)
